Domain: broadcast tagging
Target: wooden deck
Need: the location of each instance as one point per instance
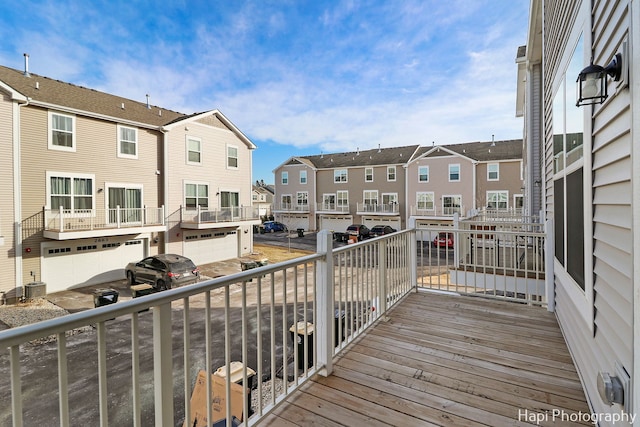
(450, 361)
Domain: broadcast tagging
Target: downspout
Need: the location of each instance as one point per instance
(475, 190)
(165, 186)
(17, 190)
(407, 210)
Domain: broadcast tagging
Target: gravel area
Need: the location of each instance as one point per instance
(28, 312)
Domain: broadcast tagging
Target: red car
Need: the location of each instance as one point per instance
(443, 239)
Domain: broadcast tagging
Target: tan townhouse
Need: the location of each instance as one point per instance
(94, 181)
(340, 189)
(458, 179)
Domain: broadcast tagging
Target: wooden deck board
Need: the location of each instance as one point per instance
(445, 360)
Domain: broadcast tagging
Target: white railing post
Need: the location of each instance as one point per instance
(324, 303)
(163, 365)
(162, 214)
(382, 278)
(61, 219)
(456, 240)
(413, 256)
(549, 251)
(198, 214)
(118, 219)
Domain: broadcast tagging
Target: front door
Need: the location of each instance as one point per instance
(129, 201)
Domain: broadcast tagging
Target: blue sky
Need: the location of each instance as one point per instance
(297, 77)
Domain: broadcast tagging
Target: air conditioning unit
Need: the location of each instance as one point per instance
(35, 290)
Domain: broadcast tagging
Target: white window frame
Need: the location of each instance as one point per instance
(188, 150)
(497, 197)
(230, 156)
(286, 205)
(302, 196)
(198, 184)
(517, 197)
(451, 166)
(368, 174)
(392, 198)
(420, 174)
(50, 143)
(71, 176)
(303, 177)
(340, 201)
(370, 193)
(452, 196)
(134, 142)
(427, 195)
(391, 174)
(496, 171)
(284, 178)
(340, 176)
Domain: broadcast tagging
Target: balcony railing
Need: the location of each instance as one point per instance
(331, 208)
(374, 208)
(437, 211)
(65, 220)
(291, 207)
(330, 297)
(231, 214)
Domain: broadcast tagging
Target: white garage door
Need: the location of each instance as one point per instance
(335, 223)
(293, 222)
(211, 246)
(88, 261)
(393, 222)
(427, 230)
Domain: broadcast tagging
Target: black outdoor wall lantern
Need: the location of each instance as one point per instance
(592, 81)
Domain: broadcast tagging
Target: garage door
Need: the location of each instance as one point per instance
(294, 222)
(88, 261)
(427, 230)
(335, 223)
(393, 222)
(211, 246)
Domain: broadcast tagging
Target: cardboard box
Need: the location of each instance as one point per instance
(218, 404)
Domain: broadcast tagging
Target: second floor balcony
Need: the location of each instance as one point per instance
(291, 207)
(329, 208)
(432, 211)
(378, 209)
(65, 224)
(202, 218)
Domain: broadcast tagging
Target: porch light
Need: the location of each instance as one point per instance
(592, 81)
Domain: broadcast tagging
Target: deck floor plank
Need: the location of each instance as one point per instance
(445, 360)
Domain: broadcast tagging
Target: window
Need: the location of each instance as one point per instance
(232, 157)
(370, 197)
(303, 177)
(425, 201)
(194, 150)
(127, 142)
(71, 192)
(423, 173)
(254, 197)
(302, 198)
(284, 178)
(340, 175)
(568, 188)
(126, 198)
(493, 172)
(62, 132)
(391, 173)
(497, 199)
(389, 198)
(518, 201)
(328, 202)
(451, 205)
(196, 195)
(230, 201)
(285, 200)
(342, 199)
(368, 174)
(454, 173)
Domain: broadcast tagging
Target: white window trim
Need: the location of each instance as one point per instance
(497, 178)
(505, 192)
(282, 202)
(119, 148)
(423, 166)
(298, 193)
(338, 193)
(283, 175)
(50, 174)
(516, 197)
(304, 174)
(365, 175)
(364, 200)
(51, 146)
(453, 196)
(395, 196)
(433, 200)
(346, 176)
(186, 146)
(184, 191)
(227, 157)
(459, 172)
(395, 175)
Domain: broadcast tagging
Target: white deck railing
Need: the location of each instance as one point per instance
(62, 220)
(231, 214)
(136, 362)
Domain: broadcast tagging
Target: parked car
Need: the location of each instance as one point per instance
(443, 239)
(163, 271)
(360, 231)
(273, 226)
(381, 230)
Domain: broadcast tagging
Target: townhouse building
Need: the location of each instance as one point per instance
(457, 179)
(94, 181)
(333, 191)
(262, 198)
(581, 137)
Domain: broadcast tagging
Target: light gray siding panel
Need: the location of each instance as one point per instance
(7, 264)
(618, 193)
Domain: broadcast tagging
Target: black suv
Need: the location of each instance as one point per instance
(163, 271)
(360, 231)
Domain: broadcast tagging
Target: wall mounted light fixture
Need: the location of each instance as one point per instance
(592, 81)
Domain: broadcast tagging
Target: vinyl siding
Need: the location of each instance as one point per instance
(611, 339)
(7, 249)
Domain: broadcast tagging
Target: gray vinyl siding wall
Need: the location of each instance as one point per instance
(611, 339)
(535, 139)
(7, 249)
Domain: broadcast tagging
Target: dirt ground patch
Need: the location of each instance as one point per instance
(276, 254)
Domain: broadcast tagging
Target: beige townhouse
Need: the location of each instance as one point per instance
(333, 191)
(446, 180)
(94, 181)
